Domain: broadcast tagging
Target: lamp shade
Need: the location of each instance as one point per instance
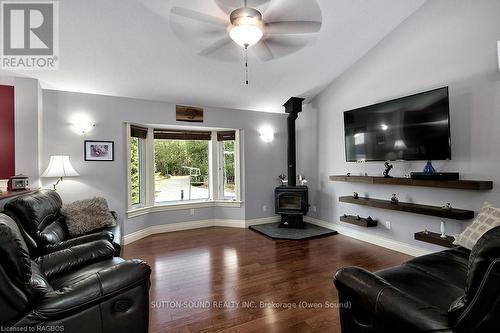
(59, 166)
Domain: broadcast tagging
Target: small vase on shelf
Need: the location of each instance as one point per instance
(443, 229)
(429, 168)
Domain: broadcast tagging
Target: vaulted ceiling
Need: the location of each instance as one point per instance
(138, 49)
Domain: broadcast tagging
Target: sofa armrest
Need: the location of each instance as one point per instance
(101, 235)
(480, 314)
(373, 294)
(117, 236)
(87, 292)
(71, 258)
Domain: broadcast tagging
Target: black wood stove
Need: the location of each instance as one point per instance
(292, 202)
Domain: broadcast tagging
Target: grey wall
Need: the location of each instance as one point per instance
(445, 43)
(261, 162)
(27, 107)
(307, 153)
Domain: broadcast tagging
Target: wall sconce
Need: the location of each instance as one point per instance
(266, 134)
(82, 124)
(498, 49)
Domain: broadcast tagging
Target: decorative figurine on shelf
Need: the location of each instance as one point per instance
(355, 195)
(426, 231)
(348, 174)
(283, 180)
(394, 199)
(366, 174)
(447, 206)
(388, 168)
(443, 229)
(345, 215)
(358, 218)
(302, 180)
(429, 168)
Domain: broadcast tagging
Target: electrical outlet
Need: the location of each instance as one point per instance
(315, 209)
(191, 212)
(264, 208)
(388, 225)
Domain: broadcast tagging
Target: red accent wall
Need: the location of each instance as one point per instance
(7, 151)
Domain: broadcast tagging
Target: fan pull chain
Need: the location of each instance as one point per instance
(246, 64)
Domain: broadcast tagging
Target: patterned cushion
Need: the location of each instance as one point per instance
(488, 218)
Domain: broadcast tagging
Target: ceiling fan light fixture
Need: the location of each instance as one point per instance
(247, 26)
(246, 34)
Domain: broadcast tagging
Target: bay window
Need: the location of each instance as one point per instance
(173, 167)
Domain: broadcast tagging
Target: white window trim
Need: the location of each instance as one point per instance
(128, 169)
(150, 206)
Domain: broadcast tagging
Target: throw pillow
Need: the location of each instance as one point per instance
(488, 218)
(85, 216)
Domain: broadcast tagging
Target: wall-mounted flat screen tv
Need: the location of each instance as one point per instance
(411, 128)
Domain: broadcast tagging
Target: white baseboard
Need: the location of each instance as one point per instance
(350, 232)
(229, 223)
(370, 238)
(160, 229)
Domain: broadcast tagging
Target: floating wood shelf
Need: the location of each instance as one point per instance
(476, 185)
(434, 238)
(362, 222)
(457, 214)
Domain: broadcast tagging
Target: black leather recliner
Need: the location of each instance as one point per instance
(455, 290)
(79, 289)
(39, 215)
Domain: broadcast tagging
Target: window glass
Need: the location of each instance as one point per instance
(181, 170)
(228, 178)
(135, 171)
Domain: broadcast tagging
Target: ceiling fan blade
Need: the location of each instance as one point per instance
(214, 33)
(215, 46)
(194, 15)
(262, 51)
(284, 45)
(286, 42)
(292, 27)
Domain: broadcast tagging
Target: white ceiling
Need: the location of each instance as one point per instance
(133, 48)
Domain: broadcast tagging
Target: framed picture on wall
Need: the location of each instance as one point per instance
(99, 151)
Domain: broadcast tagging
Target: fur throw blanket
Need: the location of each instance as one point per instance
(85, 216)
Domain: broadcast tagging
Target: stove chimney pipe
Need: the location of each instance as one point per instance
(293, 106)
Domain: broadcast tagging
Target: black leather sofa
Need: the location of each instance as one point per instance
(56, 284)
(43, 227)
(455, 290)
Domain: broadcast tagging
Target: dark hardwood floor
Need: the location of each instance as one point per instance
(292, 278)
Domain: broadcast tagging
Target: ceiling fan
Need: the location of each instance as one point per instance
(244, 24)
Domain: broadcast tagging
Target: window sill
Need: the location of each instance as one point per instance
(179, 206)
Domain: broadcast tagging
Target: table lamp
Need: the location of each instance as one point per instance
(59, 167)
